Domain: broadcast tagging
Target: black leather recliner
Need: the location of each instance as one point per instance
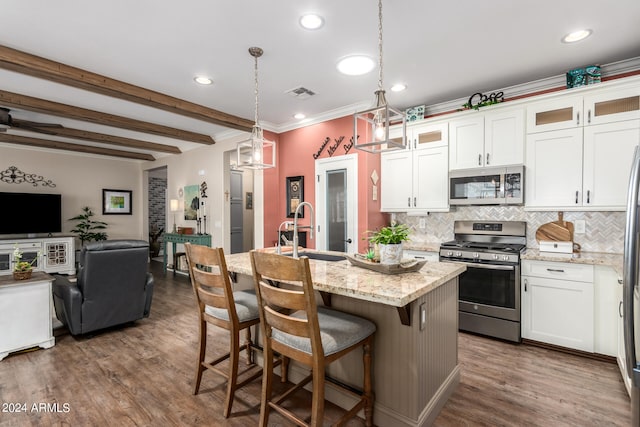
(113, 287)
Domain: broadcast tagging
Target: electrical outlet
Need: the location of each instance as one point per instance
(579, 226)
(423, 223)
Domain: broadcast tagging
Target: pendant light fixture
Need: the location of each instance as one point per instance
(253, 153)
(371, 127)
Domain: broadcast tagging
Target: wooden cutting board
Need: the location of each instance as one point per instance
(556, 231)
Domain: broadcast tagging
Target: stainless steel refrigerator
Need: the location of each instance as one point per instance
(631, 292)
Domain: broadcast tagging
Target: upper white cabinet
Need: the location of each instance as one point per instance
(490, 139)
(416, 178)
(603, 106)
(579, 149)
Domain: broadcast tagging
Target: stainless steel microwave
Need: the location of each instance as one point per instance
(487, 186)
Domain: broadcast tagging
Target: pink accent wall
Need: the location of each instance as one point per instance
(295, 157)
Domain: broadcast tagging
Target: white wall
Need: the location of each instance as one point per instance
(80, 179)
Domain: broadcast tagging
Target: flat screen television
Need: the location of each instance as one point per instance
(30, 213)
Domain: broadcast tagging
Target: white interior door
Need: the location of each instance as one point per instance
(337, 203)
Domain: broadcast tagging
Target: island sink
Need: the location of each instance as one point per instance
(319, 256)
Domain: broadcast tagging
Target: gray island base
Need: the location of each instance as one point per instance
(416, 363)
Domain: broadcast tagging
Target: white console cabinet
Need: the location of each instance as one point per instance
(52, 254)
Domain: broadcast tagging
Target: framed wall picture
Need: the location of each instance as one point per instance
(116, 202)
(191, 202)
(295, 195)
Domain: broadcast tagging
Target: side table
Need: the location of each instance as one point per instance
(25, 313)
(175, 238)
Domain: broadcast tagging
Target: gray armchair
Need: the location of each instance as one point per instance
(113, 287)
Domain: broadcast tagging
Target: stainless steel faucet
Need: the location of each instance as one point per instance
(285, 223)
(295, 226)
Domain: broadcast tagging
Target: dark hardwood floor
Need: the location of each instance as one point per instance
(142, 375)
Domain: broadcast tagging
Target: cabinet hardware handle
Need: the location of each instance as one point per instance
(578, 115)
(588, 116)
(479, 159)
(588, 196)
(409, 201)
(620, 309)
(415, 144)
(555, 270)
(525, 285)
(619, 281)
(487, 158)
(418, 257)
(415, 203)
(576, 197)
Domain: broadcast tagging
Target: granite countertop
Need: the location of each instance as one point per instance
(614, 261)
(342, 278)
(421, 246)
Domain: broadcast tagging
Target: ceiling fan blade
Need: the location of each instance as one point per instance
(28, 124)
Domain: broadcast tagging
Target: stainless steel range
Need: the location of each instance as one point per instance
(489, 296)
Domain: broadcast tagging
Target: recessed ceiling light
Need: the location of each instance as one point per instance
(356, 65)
(299, 116)
(203, 80)
(398, 87)
(311, 21)
(576, 36)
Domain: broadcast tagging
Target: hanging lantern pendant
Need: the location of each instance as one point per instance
(251, 152)
(371, 127)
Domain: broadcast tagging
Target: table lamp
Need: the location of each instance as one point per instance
(173, 206)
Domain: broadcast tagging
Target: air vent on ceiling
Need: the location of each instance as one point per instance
(301, 92)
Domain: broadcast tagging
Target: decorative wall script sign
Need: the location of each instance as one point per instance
(13, 175)
(348, 146)
(333, 148)
(319, 152)
(478, 100)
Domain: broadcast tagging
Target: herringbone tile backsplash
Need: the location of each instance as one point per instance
(604, 230)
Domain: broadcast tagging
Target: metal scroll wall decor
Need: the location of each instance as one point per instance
(13, 175)
(333, 147)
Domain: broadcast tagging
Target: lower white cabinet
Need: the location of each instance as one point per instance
(557, 304)
(606, 310)
(422, 255)
(620, 354)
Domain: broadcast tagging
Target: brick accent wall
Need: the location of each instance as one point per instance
(157, 202)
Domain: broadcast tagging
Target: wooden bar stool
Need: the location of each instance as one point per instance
(220, 306)
(314, 336)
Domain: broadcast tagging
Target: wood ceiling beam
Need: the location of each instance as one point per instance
(14, 100)
(98, 137)
(57, 145)
(21, 62)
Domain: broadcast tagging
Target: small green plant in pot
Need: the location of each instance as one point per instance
(87, 229)
(389, 241)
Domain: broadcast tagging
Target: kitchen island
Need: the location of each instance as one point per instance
(416, 344)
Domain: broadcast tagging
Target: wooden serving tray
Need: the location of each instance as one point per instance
(406, 266)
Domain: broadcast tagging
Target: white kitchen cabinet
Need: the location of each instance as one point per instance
(555, 114)
(557, 304)
(422, 255)
(491, 139)
(621, 355)
(581, 168)
(608, 151)
(611, 106)
(416, 178)
(553, 169)
(605, 310)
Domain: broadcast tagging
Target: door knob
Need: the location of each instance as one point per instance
(349, 240)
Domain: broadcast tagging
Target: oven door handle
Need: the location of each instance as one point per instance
(485, 266)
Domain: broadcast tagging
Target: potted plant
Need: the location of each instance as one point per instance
(389, 242)
(154, 240)
(22, 269)
(88, 229)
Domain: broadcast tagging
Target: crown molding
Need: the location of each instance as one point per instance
(536, 86)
